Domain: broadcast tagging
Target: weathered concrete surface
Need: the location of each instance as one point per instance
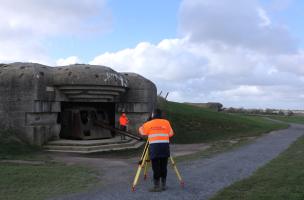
(203, 178)
(32, 97)
(138, 101)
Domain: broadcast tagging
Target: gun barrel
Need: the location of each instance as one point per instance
(116, 130)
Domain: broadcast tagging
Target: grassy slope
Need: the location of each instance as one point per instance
(290, 119)
(199, 125)
(32, 182)
(280, 179)
(195, 125)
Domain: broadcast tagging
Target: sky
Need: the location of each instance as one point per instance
(242, 53)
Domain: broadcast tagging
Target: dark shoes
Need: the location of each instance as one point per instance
(163, 184)
(157, 187)
(164, 187)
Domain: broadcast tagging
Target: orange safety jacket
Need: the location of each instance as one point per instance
(157, 130)
(123, 120)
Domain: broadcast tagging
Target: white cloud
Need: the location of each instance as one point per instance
(232, 54)
(265, 21)
(241, 91)
(237, 24)
(291, 62)
(25, 25)
(233, 76)
(170, 60)
(68, 61)
(52, 17)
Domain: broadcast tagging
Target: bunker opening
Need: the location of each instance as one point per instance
(78, 119)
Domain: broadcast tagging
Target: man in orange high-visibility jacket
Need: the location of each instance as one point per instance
(158, 131)
(123, 123)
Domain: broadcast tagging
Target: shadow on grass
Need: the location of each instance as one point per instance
(12, 147)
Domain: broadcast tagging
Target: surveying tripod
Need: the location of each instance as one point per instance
(143, 164)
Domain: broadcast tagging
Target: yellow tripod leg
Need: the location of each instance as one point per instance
(141, 165)
(177, 172)
(146, 167)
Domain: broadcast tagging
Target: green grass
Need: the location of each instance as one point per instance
(31, 181)
(200, 125)
(280, 179)
(27, 182)
(290, 119)
(196, 125)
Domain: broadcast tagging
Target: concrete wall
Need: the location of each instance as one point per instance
(138, 102)
(25, 104)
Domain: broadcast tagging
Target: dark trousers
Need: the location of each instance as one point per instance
(159, 166)
(123, 128)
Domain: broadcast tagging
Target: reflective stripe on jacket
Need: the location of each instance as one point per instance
(157, 130)
(158, 138)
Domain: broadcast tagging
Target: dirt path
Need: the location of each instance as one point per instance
(203, 177)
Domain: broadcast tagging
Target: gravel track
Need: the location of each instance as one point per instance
(203, 177)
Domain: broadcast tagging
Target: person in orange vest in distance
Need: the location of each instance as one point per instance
(123, 123)
(158, 131)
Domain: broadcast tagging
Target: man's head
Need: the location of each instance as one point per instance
(123, 114)
(157, 114)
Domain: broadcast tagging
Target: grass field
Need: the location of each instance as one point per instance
(281, 179)
(196, 125)
(34, 182)
(290, 119)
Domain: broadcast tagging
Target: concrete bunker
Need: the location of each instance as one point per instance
(43, 103)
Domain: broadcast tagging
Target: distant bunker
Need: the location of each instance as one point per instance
(43, 103)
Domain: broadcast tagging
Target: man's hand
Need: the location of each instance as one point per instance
(141, 131)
